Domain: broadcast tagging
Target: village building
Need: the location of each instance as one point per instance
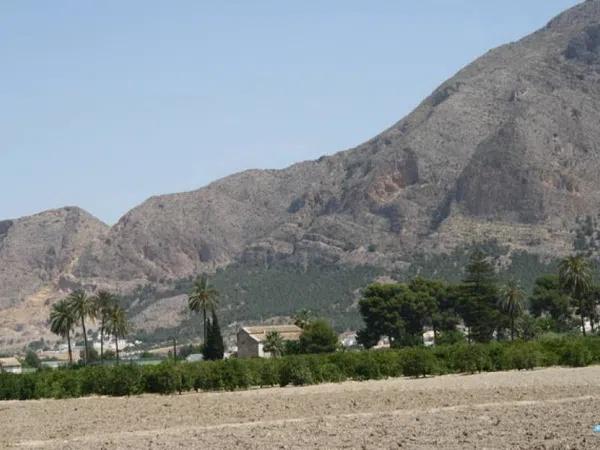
(10, 365)
(250, 340)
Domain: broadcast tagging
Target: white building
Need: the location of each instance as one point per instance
(10, 365)
(250, 340)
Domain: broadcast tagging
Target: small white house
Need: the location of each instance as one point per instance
(10, 365)
(250, 340)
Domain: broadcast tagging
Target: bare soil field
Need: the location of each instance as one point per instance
(544, 409)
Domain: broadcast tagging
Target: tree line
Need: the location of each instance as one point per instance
(233, 374)
(487, 308)
(79, 307)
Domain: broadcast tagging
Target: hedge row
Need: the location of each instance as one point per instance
(235, 374)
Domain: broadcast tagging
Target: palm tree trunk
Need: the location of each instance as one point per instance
(204, 313)
(102, 341)
(582, 316)
(85, 341)
(69, 346)
(512, 328)
(117, 347)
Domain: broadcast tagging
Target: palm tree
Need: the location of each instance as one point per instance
(274, 344)
(117, 325)
(512, 300)
(62, 321)
(575, 277)
(104, 301)
(303, 318)
(82, 307)
(203, 298)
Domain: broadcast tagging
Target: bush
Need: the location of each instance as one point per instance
(318, 337)
(469, 358)
(366, 368)
(169, 377)
(268, 373)
(164, 378)
(522, 357)
(418, 362)
(450, 337)
(235, 375)
(575, 354)
(295, 371)
(124, 380)
(330, 373)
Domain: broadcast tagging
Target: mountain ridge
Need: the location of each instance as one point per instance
(507, 149)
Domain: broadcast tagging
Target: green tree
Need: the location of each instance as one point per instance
(117, 325)
(318, 337)
(512, 303)
(274, 344)
(82, 307)
(32, 360)
(439, 304)
(591, 303)
(548, 298)
(380, 311)
(303, 317)
(203, 298)
(477, 304)
(62, 321)
(104, 302)
(214, 348)
(575, 277)
(92, 355)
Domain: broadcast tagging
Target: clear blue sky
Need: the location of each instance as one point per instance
(105, 103)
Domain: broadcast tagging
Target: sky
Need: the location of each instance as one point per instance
(106, 103)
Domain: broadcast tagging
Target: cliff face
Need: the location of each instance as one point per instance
(509, 148)
(36, 251)
(511, 141)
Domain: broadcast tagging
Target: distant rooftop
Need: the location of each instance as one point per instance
(287, 332)
(9, 362)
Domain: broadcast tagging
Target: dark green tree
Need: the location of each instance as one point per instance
(62, 321)
(318, 337)
(591, 303)
(32, 360)
(303, 317)
(512, 303)
(214, 348)
(274, 344)
(439, 302)
(117, 325)
(203, 298)
(380, 311)
(104, 302)
(575, 277)
(478, 302)
(82, 306)
(549, 299)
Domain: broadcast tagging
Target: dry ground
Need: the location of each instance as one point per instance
(549, 408)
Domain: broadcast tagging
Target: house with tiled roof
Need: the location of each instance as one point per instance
(250, 340)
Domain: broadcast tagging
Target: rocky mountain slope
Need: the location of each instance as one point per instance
(507, 149)
(511, 144)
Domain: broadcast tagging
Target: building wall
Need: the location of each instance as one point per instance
(247, 347)
(11, 369)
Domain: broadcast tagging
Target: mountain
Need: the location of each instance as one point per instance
(508, 150)
(35, 254)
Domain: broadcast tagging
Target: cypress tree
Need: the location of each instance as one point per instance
(214, 347)
(479, 299)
